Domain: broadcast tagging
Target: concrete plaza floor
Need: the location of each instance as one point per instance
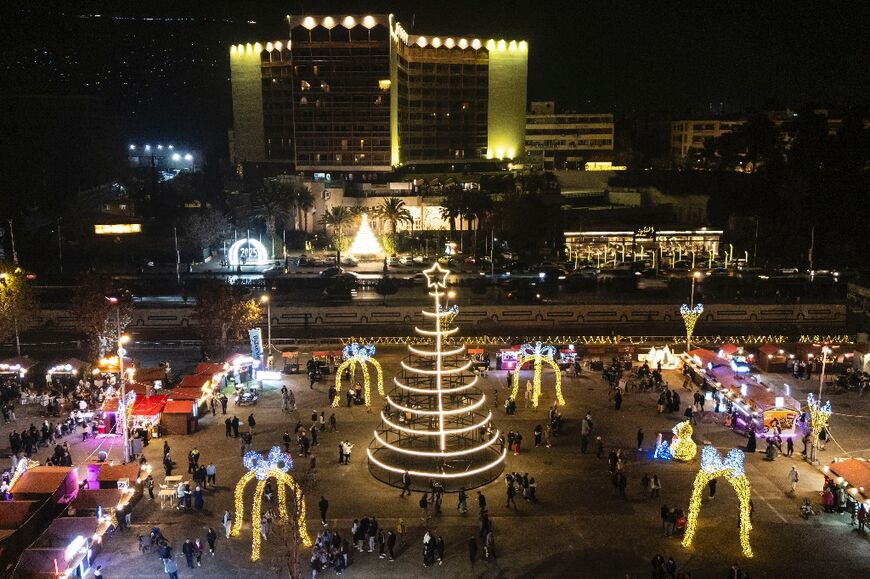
(577, 527)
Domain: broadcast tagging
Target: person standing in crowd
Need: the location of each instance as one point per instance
(211, 537)
(406, 484)
(187, 549)
(323, 505)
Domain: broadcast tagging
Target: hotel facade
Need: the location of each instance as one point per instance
(354, 94)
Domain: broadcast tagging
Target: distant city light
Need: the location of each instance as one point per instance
(171, 147)
(132, 147)
(188, 157)
(176, 157)
(147, 147)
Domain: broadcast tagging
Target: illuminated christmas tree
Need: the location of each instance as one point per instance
(365, 242)
(436, 424)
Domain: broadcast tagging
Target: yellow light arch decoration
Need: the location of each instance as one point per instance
(539, 354)
(357, 355)
(712, 466)
(276, 466)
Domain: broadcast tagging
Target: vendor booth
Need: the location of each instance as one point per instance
(507, 359)
(771, 358)
(65, 373)
(218, 373)
(327, 361)
(155, 378)
(567, 357)
(180, 417)
(200, 383)
(145, 416)
(854, 475)
(479, 358)
(241, 371)
(67, 548)
(739, 359)
(16, 368)
(291, 362)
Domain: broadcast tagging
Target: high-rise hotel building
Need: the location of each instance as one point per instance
(358, 93)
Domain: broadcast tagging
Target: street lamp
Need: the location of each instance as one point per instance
(122, 340)
(825, 351)
(264, 299)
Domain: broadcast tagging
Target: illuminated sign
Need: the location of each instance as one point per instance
(248, 252)
(648, 232)
(604, 166)
(117, 228)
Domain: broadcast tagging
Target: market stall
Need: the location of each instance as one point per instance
(217, 371)
(660, 356)
(145, 416)
(15, 369)
(326, 361)
(739, 359)
(772, 358)
(479, 358)
(506, 359)
(241, 371)
(200, 383)
(180, 417)
(854, 474)
(65, 374)
(155, 378)
(291, 362)
(567, 357)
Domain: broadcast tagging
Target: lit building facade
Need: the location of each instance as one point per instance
(691, 135)
(567, 140)
(358, 93)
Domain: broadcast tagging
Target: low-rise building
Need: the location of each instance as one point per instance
(567, 140)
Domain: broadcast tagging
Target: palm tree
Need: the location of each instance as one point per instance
(304, 202)
(395, 211)
(336, 218)
(451, 208)
(272, 203)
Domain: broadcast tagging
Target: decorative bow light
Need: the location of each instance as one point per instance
(712, 466)
(276, 460)
(361, 353)
(690, 317)
(275, 465)
(356, 354)
(539, 354)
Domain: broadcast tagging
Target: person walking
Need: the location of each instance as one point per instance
(617, 399)
(789, 445)
(251, 423)
(489, 548)
(323, 505)
(424, 507)
(224, 401)
(227, 524)
(511, 496)
(210, 538)
(187, 549)
(333, 423)
(656, 486)
(712, 486)
(391, 545)
(149, 484)
(400, 531)
(481, 502)
(472, 549)
(462, 505)
(639, 439)
(228, 423)
(235, 423)
(406, 484)
(439, 549)
(170, 568)
(211, 473)
(793, 478)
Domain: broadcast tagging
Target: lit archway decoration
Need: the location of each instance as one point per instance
(248, 252)
(275, 465)
(690, 318)
(539, 355)
(358, 355)
(712, 466)
(819, 415)
(681, 446)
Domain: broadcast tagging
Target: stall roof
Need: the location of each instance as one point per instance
(41, 480)
(150, 374)
(195, 380)
(149, 405)
(185, 394)
(728, 349)
(179, 407)
(63, 530)
(74, 365)
(14, 513)
(854, 471)
(246, 357)
(772, 350)
(757, 394)
(475, 351)
(17, 363)
(708, 357)
(40, 562)
(115, 472)
(210, 368)
(89, 500)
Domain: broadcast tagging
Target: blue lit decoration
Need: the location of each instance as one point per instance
(732, 466)
(739, 365)
(538, 350)
(662, 451)
(277, 459)
(360, 352)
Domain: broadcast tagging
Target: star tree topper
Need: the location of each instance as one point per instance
(436, 276)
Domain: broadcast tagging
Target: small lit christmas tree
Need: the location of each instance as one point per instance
(436, 424)
(365, 242)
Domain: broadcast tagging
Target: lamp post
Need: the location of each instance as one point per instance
(122, 340)
(691, 312)
(264, 299)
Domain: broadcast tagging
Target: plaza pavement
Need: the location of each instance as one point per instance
(577, 528)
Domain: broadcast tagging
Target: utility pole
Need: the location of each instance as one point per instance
(177, 258)
(59, 245)
(12, 239)
(812, 244)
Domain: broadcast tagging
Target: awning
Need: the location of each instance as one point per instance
(17, 365)
(856, 473)
(185, 394)
(149, 405)
(68, 366)
(179, 407)
(195, 381)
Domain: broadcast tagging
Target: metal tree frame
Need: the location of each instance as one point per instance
(436, 424)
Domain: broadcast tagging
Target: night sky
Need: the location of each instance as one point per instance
(587, 55)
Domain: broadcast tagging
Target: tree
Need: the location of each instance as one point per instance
(451, 208)
(206, 228)
(273, 202)
(222, 314)
(100, 318)
(336, 218)
(17, 304)
(304, 203)
(386, 286)
(394, 211)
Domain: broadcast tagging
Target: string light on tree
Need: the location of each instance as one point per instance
(356, 355)
(275, 465)
(819, 416)
(712, 466)
(436, 424)
(365, 242)
(539, 355)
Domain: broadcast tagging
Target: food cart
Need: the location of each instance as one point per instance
(241, 370)
(772, 358)
(567, 357)
(479, 358)
(506, 359)
(326, 361)
(291, 362)
(180, 416)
